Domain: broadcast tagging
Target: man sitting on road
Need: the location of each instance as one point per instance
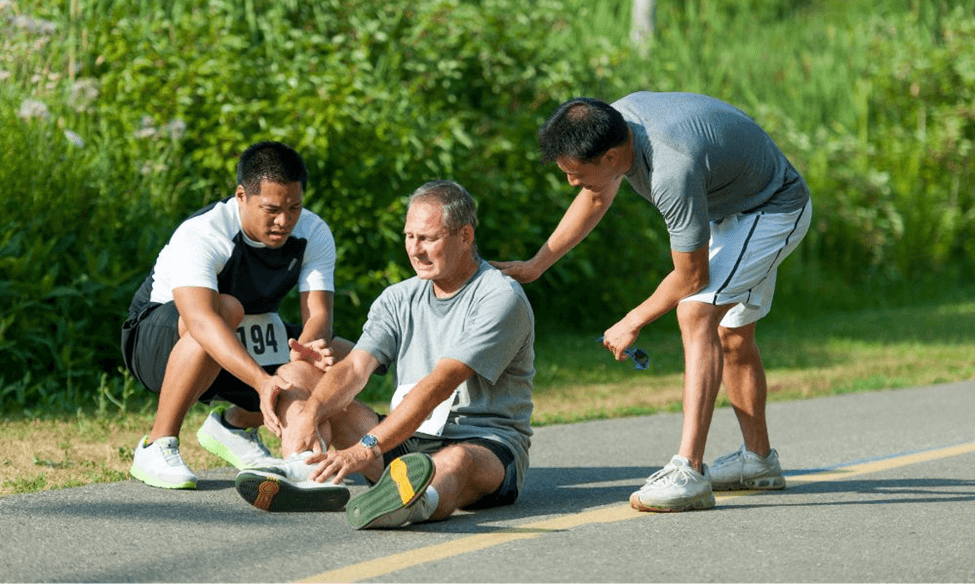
(461, 337)
(204, 324)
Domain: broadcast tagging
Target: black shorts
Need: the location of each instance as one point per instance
(506, 494)
(148, 341)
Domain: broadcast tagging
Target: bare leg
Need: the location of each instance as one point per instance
(745, 382)
(303, 376)
(465, 473)
(703, 363)
(342, 431)
(241, 418)
(189, 373)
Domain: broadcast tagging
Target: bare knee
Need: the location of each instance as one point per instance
(699, 321)
(454, 460)
(300, 374)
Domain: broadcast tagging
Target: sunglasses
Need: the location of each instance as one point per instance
(641, 361)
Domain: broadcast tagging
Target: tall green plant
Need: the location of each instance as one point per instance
(118, 118)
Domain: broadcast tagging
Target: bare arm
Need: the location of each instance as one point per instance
(199, 311)
(585, 212)
(690, 275)
(317, 345)
(332, 394)
(430, 392)
(401, 423)
(317, 315)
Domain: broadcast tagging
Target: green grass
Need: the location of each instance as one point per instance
(577, 380)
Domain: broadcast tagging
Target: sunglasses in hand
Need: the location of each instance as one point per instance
(641, 361)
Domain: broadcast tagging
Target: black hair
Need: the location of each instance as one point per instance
(582, 129)
(271, 161)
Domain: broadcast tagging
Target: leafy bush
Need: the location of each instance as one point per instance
(120, 118)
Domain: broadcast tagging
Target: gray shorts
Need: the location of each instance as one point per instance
(148, 341)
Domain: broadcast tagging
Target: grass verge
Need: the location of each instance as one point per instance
(576, 380)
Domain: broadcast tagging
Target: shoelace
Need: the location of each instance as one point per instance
(256, 439)
(728, 457)
(296, 468)
(172, 456)
(673, 474)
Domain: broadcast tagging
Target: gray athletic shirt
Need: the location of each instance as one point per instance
(698, 159)
(489, 326)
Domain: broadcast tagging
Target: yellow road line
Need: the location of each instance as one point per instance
(400, 561)
(884, 464)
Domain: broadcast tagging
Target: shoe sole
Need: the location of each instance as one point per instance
(764, 483)
(278, 495)
(153, 482)
(401, 484)
(697, 504)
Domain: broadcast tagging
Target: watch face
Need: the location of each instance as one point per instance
(369, 440)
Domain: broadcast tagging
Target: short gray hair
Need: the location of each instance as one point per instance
(456, 204)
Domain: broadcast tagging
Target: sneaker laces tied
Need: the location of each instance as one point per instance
(256, 439)
(172, 456)
(740, 453)
(673, 474)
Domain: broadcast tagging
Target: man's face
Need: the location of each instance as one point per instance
(595, 176)
(434, 253)
(270, 216)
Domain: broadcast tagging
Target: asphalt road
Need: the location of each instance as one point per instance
(881, 489)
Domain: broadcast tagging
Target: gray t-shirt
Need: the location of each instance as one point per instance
(698, 159)
(489, 326)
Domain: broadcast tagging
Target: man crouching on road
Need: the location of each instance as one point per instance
(204, 325)
(461, 335)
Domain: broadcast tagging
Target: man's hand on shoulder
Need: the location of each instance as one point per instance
(521, 271)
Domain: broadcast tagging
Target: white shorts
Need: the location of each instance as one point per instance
(745, 251)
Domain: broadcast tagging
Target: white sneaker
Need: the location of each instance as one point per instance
(286, 487)
(675, 487)
(160, 465)
(744, 469)
(241, 448)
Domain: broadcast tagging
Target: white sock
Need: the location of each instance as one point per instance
(423, 511)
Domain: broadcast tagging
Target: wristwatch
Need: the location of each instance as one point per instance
(372, 443)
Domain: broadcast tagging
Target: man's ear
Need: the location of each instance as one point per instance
(240, 194)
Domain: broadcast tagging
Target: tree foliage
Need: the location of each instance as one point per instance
(117, 119)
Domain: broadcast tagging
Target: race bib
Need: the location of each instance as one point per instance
(437, 419)
(265, 338)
